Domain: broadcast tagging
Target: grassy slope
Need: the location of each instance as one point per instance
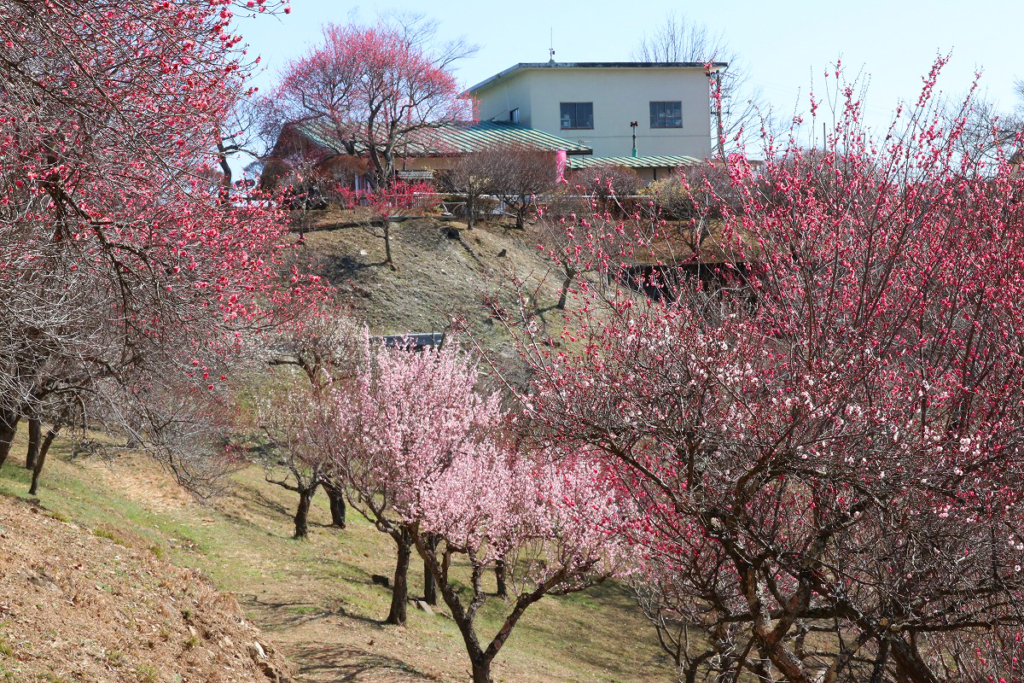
(314, 598)
(437, 278)
(78, 606)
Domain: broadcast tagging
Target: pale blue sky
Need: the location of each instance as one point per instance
(786, 43)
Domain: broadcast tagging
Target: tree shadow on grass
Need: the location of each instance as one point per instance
(319, 662)
(249, 498)
(342, 268)
(289, 614)
(617, 604)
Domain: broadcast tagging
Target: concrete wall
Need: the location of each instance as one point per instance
(507, 94)
(620, 95)
(647, 175)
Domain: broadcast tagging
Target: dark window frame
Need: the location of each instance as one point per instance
(661, 114)
(574, 117)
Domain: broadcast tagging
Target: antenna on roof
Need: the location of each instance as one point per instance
(551, 50)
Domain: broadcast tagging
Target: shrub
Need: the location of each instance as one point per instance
(673, 198)
(705, 190)
(568, 200)
(617, 181)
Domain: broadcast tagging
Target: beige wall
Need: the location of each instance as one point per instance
(648, 175)
(426, 163)
(436, 164)
(506, 94)
(620, 95)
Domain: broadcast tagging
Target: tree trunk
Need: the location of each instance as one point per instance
(41, 458)
(429, 584)
(469, 213)
(8, 428)
(224, 194)
(400, 589)
(302, 513)
(566, 283)
(337, 498)
(481, 671)
(499, 575)
(387, 244)
(521, 219)
(34, 437)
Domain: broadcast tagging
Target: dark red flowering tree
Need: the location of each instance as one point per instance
(830, 457)
(373, 88)
(119, 263)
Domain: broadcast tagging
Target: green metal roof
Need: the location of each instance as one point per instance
(456, 139)
(577, 163)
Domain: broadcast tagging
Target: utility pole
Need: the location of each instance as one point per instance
(718, 114)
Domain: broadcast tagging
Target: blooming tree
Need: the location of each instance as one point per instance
(419, 450)
(405, 417)
(118, 263)
(374, 87)
(552, 528)
(831, 460)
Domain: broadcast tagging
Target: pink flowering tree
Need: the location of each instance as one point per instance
(829, 457)
(552, 529)
(419, 450)
(405, 417)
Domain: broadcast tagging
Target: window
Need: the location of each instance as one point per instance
(666, 114)
(577, 115)
(513, 115)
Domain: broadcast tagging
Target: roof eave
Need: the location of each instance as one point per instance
(715, 66)
(486, 82)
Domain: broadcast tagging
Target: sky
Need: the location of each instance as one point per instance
(786, 44)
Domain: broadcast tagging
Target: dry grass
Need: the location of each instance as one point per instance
(80, 606)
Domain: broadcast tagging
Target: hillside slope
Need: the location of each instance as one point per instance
(443, 272)
(313, 599)
(75, 606)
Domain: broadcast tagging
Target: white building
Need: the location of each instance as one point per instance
(595, 103)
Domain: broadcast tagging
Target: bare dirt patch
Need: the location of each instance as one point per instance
(75, 606)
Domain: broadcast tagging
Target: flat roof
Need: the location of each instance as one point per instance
(715, 66)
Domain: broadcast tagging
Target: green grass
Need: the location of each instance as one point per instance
(146, 674)
(320, 589)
